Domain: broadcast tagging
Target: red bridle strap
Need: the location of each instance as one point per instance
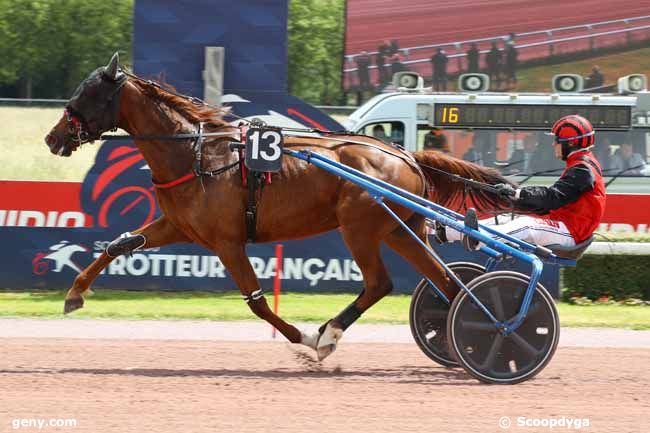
(72, 118)
(189, 176)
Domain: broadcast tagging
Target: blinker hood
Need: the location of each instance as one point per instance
(97, 100)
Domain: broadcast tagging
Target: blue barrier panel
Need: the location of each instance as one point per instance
(52, 257)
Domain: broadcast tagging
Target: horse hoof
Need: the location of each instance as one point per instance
(72, 304)
(325, 351)
(327, 342)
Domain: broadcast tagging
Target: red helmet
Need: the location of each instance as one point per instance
(573, 132)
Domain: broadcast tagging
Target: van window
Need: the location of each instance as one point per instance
(453, 141)
(386, 131)
(512, 152)
(432, 138)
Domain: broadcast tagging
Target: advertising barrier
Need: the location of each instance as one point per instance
(47, 239)
(46, 258)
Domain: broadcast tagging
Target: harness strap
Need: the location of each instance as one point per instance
(251, 206)
(197, 148)
(403, 154)
(191, 175)
(251, 181)
(242, 167)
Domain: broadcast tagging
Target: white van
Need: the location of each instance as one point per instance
(505, 130)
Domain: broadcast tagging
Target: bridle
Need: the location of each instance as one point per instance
(75, 128)
(82, 129)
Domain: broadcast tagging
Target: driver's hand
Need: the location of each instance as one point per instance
(505, 190)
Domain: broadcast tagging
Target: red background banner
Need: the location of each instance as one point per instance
(624, 212)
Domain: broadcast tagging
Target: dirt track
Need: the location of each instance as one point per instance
(111, 385)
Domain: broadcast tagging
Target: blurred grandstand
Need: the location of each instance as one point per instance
(542, 33)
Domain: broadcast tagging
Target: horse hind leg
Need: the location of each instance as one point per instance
(160, 232)
(400, 241)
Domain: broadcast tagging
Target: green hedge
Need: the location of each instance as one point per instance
(617, 277)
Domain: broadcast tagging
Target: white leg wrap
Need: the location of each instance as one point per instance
(327, 342)
(309, 340)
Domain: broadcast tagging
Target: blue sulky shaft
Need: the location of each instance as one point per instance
(380, 190)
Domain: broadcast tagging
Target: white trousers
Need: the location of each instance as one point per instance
(530, 229)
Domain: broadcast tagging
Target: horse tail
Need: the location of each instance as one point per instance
(450, 193)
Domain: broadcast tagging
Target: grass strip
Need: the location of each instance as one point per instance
(295, 307)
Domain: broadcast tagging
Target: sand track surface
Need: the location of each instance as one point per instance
(110, 384)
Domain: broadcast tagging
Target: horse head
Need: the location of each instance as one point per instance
(92, 110)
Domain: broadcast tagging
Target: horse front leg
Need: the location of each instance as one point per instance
(234, 258)
(158, 233)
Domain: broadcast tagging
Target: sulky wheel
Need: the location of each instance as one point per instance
(483, 351)
(428, 315)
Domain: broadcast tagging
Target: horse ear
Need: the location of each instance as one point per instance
(112, 68)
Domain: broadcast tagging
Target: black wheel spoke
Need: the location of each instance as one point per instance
(433, 312)
(492, 354)
(525, 345)
(473, 325)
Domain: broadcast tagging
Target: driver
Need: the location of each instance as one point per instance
(569, 211)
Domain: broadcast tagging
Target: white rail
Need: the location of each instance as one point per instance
(549, 32)
(522, 46)
(619, 248)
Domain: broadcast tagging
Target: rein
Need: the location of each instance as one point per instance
(325, 134)
(471, 183)
(620, 173)
(405, 156)
(176, 137)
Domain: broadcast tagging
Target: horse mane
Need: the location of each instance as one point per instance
(447, 192)
(194, 110)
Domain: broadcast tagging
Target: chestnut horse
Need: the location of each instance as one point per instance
(301, 201)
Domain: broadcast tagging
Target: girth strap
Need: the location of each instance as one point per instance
(253, 182)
